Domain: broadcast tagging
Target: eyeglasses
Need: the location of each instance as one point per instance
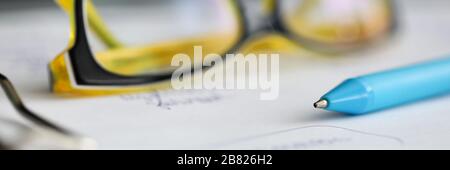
(42, 135)
(108, 52)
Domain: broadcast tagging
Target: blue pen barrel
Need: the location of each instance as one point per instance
(391, 88)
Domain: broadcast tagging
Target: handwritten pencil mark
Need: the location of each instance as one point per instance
(313, 141)
(169, 99)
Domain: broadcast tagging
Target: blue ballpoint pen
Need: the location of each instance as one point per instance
(388, 89)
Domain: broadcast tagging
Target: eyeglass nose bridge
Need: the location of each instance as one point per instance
(259, 18)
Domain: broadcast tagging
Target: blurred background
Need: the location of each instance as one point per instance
(33, 32)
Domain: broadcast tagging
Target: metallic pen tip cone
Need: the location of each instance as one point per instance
(321, 104)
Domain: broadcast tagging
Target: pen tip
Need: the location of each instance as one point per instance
(321, 104)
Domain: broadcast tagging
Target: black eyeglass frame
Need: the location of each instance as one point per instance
(87, 71)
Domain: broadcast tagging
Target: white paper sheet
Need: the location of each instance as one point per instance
(237, 119)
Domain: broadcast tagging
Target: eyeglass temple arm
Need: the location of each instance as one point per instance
(23, 110)
(96, 23)
(100, 28)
